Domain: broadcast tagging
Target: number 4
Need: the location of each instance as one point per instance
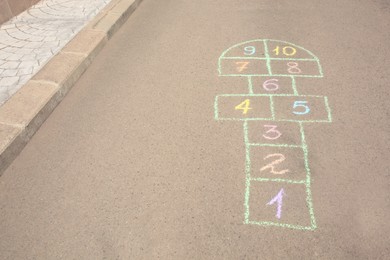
(244, 106)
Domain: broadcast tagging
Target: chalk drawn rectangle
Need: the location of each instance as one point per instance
(243, 66)
(276, 111)
(273, 85)
(271, 133)
(277, 163)
(301, 108)
(242, 107)
(296, 68)
(294, 212)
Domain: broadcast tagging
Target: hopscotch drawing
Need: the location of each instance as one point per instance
(278, 177)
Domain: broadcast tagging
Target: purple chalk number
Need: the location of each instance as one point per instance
(278, 199)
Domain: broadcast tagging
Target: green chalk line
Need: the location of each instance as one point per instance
(271, 104)
(268, 75)
(278, 180)
(328, 109)
(250, 85)
(267, 95)
(216, 108)
(268, 223)
(294, 86)
(270, 119)
(308, 178)
(247, 172)
(267, 57)
(276, 145)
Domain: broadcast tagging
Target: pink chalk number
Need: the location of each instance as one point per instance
(272, 132)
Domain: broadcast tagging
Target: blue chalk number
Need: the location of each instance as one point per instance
(301, 108)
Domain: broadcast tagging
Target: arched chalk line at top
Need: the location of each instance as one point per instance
(268, 58)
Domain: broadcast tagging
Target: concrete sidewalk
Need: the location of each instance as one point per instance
(43, 52)
(31, 39)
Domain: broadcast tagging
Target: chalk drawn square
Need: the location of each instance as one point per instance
(277, 163)
(274, 133)
(243, 67)
(241, 107)
(302, 108)
(296, 68)
(279, 204)
(272, 85)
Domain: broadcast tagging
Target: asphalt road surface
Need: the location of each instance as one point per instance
(134, 165)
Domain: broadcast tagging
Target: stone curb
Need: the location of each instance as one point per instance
(23, 114)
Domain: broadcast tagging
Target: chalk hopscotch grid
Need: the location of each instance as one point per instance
(272, 109)
(268, 59)
(303, 145)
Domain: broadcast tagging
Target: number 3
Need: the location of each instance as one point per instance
(273, 133)
(301, 104)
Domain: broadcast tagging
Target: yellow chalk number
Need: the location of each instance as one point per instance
(244, 106)
(287, 50)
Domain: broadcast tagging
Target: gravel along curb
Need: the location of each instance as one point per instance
(23, 114)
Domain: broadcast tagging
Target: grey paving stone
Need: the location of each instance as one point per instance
(31, 39)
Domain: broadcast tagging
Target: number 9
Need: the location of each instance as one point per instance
(249, 50)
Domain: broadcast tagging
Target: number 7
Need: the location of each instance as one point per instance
(243, 65)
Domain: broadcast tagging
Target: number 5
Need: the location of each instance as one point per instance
(299, 105)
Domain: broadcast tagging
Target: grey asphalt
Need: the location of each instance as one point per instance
(132, 164)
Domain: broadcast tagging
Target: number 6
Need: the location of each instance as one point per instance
(301, 104)
(270, 85)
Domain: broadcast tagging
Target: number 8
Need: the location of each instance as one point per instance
(293, 68)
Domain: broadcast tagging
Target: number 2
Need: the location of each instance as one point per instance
(242, 65)
(272, 132)
(273, 163)
(244, 106)
(301, 104)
